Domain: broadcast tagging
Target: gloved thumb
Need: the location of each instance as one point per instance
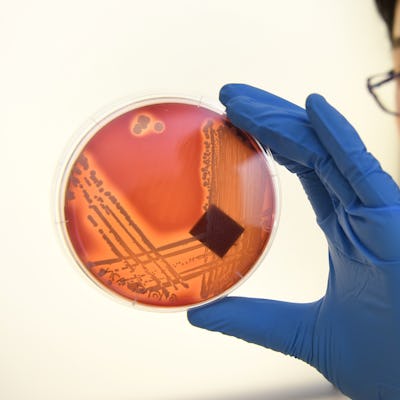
(281, 326)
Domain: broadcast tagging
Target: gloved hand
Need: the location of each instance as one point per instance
(352, 334)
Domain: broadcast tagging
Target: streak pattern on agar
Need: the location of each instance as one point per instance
(140, 185)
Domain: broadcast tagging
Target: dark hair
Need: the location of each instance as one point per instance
(386, 10)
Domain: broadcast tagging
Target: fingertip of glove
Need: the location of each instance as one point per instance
(199, 317)
(206, 316)
(230, 90)
(192, 317)
(313, 100)
(226, 92)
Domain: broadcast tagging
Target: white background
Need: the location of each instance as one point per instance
(62, 61)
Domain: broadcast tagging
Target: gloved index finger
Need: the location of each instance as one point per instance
(373, 186)
(286, 130)
(232, 90)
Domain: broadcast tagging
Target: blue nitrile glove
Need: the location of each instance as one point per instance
(352, 334)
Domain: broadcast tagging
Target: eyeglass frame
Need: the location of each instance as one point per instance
(387, 77)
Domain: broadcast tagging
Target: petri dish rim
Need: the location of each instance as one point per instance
(77, 144)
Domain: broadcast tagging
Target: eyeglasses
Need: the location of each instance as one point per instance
(383, 89)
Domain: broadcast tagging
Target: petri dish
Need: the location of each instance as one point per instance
(164, 204)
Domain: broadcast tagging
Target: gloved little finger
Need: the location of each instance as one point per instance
(317, 194)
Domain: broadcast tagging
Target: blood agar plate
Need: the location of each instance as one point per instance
(165, 204)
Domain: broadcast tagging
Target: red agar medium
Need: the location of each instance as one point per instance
(168, 205)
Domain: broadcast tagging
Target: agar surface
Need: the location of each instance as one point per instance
(137, 205)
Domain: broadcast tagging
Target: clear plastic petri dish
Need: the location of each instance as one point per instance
(164, 204)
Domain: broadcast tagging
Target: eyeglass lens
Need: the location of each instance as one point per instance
(386, 93)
